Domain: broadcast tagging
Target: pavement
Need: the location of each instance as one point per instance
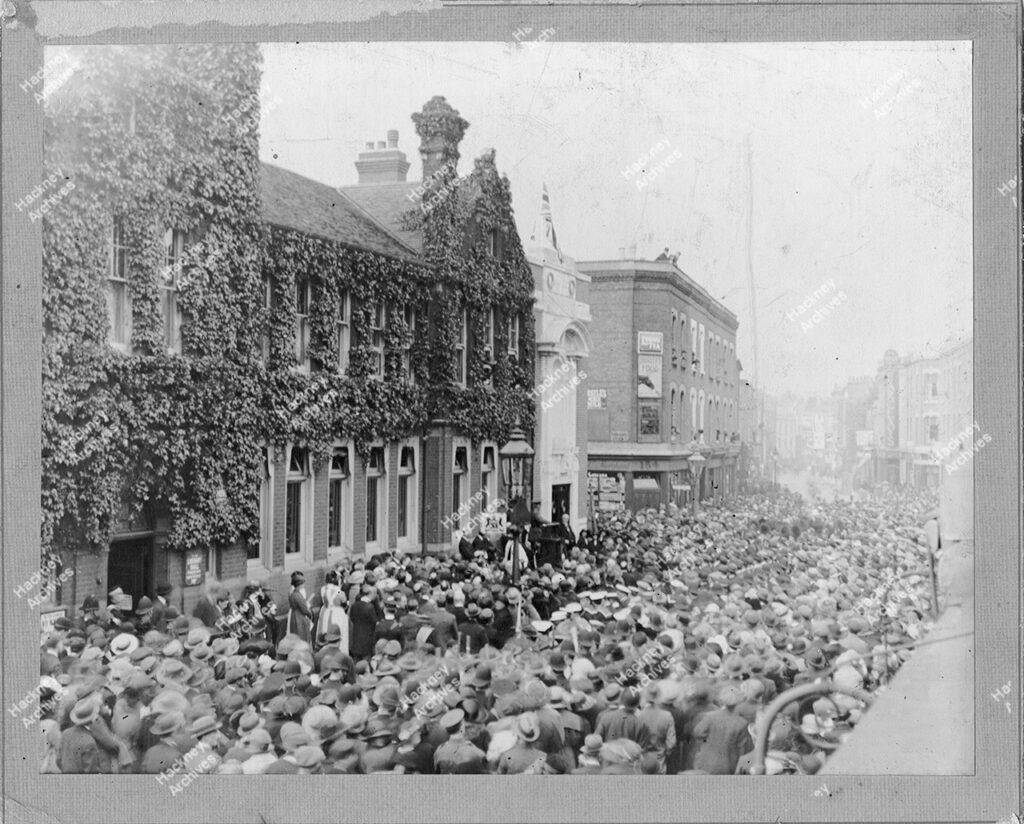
(923, 724)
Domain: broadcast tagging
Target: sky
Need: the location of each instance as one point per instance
(790, 173)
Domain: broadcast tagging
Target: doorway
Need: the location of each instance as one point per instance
(130, 566)
(560, 499)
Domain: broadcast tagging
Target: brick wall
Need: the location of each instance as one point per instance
(432, 500)
(358, 506)
(321, 506)
(612, 362)
(234, 563)
(280, 484)
(394, 453)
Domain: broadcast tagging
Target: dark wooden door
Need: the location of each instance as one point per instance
(130, 566)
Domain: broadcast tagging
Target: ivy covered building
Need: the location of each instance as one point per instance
(245, 371)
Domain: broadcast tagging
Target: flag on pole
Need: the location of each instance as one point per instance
(549, 226)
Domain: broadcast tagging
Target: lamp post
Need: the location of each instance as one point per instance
(696, 462)
(517, 472)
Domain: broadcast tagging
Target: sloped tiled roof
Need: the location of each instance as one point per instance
(387, 203)
(296, 202)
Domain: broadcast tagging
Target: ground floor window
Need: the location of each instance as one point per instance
(339, 481)
(406, 491)
(296, 492)
(376, 493)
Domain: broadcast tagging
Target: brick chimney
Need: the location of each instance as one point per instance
(440, 129)
(383, 164)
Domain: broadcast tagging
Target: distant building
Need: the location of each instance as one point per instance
(923, 406)
(663, 373)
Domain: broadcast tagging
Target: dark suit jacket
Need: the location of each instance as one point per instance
(207, 612)
(158, 618)
(363, 618)
(445, 631)
(722, 738)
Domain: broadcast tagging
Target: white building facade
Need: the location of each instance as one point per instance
(562, 318)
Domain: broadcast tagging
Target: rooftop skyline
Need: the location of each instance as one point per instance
(847, 162)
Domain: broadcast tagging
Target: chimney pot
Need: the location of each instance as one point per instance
(440, 129)
(374, 167)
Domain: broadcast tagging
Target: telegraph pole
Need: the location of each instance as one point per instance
(758, 389)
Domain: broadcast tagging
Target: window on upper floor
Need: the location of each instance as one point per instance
(513, 336)
(303, 301)
(461, 348)
(119, 304)
(377, 320)
(176, 241)
(268, 302)
(701, 359)
(411, 319)
(343, 330)
(693, 346)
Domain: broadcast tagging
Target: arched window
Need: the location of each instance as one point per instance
(683, 430)
(693, 412)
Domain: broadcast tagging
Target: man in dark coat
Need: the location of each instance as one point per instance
(697, 704)
(363, 616)
(445, 630)
(658, 730)
(621, 721)
(472, 636)
(410, 623)
(167, 751)
(722, 736)
(206, 609)
(80, 750)
(158, 618)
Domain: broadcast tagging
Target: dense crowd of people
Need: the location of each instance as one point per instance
(651, 645)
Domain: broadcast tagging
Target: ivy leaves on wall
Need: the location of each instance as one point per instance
(155, 137)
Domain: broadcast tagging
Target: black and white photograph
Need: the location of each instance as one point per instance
(531, 405)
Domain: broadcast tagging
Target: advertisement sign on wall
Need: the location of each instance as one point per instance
(648, 368)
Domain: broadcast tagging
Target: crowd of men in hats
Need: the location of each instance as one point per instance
(652, 648)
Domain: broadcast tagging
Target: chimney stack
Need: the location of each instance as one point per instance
(441, 130)
(383, 164)
(632, 252)
(622, 252)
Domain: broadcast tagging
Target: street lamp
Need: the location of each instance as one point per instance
(696, 462)
(517, 472)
